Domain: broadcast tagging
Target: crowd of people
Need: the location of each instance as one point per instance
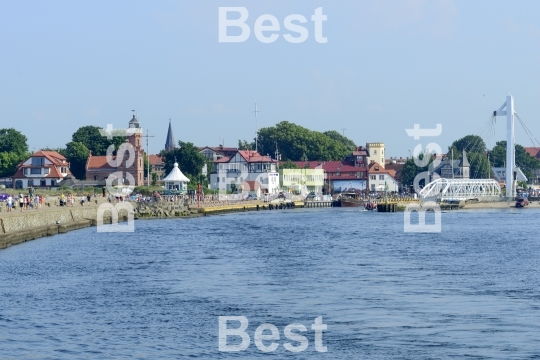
(25, 202)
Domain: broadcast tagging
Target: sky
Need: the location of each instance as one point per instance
(386, 65)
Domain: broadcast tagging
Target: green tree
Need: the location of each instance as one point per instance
(411, 170)
(479, 166)
(334, 135)
(13, 141)
(76, 154)
(190, 161)
(154, 178)
(294, 141)
(469, 143)
(13, 150)
(244, 145)
(94, 141)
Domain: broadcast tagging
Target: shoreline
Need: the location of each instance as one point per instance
(19, 227)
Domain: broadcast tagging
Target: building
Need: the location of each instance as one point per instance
(176, 180)
(302, 180)
(375, 153)
(534, 152)
(350, 173)
(500, 174)
(452, 169)
(216, 153)
(156, 166)
(381, 179)
(244, 166)
(98, 168)
(42, 169)
(169, 143)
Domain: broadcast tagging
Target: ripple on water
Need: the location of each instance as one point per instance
(470, 291)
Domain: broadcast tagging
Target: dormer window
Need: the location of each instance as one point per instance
(376, 168)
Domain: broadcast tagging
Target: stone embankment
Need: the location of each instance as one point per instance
(17, 227)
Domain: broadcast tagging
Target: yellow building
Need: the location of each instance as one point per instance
(376, 153)
(301, 180)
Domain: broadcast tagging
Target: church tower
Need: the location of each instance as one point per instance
(169, 143)
(134, 137)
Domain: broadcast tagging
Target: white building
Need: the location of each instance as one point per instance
(245, 166)
(176, 180)
(381, 179)
(42, 169)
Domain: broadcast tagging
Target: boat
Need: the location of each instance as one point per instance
(370, 206)
(351, 199)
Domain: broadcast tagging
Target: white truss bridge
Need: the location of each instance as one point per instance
(461, 189)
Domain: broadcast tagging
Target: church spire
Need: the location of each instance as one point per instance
(169, 144)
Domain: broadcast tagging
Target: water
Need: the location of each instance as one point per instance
(471, 291)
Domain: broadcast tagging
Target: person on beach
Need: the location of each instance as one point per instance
(82, 200)
(88, 197)
(21, 202)
(9, 203)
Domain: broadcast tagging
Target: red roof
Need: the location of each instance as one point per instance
(222, 160)
(253, 156)
(533, 151)
(54, 157)
(375, 165)
(155, 160)
(248, 155)
(332, 168)
(98, 162)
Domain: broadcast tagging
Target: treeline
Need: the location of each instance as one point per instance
(297, 143)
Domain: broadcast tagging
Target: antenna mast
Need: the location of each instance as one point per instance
(147, 159)
(256, 128)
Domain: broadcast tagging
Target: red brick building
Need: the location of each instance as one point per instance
(98, 168)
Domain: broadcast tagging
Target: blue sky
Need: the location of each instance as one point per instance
(386, 65)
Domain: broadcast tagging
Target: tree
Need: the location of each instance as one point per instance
(334, 135)
(94, 141)
(13, 150)
(13, 141)
(76, 154)
(190, 160)
(294, 142)
(154, 178)
(410, 170)
(470, 143)
(244, 145)
(479, 166)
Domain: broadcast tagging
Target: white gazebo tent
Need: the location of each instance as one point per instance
(176, 180)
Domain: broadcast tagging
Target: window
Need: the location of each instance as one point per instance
(95, 177)
(338, 174)
(43, 183)
(381, 177)
(26, 171)
(218, 179)
(376, 168)
(374, 152)
(35, 171)
(373, 177)
(38, 161)
(30, 182)
(46, 171)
